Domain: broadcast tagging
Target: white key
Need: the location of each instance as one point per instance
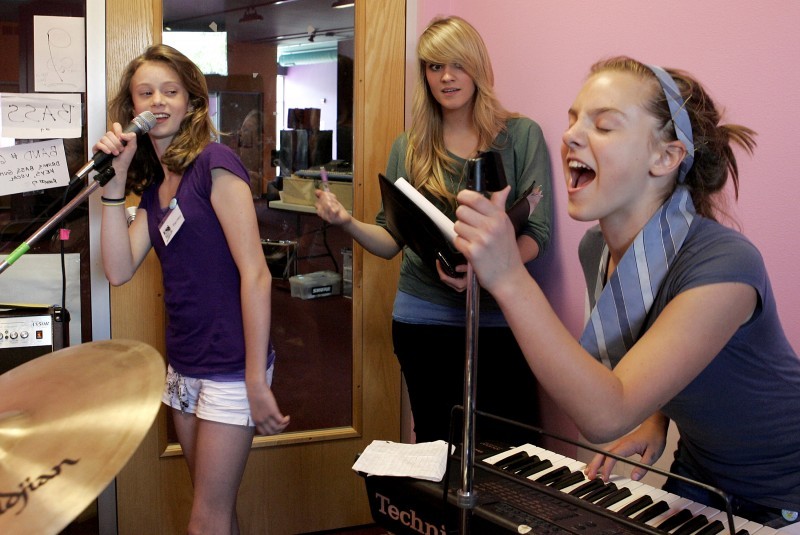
(676, 503)
(750, 526)
(722, 516)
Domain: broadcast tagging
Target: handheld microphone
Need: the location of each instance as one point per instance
(141, 124)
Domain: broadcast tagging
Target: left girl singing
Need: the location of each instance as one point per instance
(197, 212)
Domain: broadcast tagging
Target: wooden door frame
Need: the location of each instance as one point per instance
(300, 487)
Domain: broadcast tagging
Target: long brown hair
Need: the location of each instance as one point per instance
(196, 131)
(444, 41)
(714, 159)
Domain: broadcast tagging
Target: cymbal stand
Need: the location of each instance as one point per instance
(467, 497)
(101, 179)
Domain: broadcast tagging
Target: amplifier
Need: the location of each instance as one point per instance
(30, 331)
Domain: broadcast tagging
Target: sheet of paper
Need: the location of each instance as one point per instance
(426, 460)
(59, 51)
(39, 116)
(33, 166)
(441, 220)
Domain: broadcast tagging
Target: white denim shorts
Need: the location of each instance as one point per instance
(218, 401)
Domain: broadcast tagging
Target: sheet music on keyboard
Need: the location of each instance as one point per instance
(426, 460)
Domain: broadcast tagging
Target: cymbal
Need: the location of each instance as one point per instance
(69, 421)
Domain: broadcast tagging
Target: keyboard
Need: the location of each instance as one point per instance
(648, 507)
(528, 489)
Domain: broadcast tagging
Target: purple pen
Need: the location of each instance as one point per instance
(324, 174)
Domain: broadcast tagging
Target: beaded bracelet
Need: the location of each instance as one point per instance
(112, 202)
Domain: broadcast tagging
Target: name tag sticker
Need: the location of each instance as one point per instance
(171, 224)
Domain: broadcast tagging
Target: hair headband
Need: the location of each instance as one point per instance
(680, 118)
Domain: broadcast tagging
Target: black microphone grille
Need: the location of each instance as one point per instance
(145, 121)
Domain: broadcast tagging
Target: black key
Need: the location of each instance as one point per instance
(569, 480)
(519, 463)
(653, 511)
(552, 475)
(712, 528)
(636, 505)
(692, 525)
(742, 532)
(614, 497)
(587, 487)
(595, 495)
(675, 520)
(535, 468)
(510, 459)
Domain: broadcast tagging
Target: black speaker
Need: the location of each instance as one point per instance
(30, 331)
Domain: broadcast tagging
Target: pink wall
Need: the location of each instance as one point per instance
(745, 54)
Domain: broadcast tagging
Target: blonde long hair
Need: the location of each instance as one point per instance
(444, 41)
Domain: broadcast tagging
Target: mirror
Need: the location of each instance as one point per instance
(280, 76)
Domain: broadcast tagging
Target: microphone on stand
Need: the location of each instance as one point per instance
(141, 124)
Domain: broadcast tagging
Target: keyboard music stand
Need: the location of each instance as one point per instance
(485, 174)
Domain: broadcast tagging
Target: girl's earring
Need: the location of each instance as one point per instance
(190, 109)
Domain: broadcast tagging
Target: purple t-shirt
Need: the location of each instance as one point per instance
(205, 333)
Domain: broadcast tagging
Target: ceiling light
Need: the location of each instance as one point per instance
(250, 14)
(339, 4)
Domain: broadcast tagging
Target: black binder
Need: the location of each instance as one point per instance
(409, 224)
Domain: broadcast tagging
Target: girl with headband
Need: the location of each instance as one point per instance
(684, 324)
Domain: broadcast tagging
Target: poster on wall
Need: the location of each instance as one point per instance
(33, 167)
(59, 54)
(34, 116)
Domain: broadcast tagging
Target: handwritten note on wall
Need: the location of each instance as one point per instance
(59, 51)
(34, 116)
(33, 166)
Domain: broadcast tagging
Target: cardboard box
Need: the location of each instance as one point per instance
(298, 190)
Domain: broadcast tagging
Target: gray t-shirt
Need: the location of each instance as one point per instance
(525, 159)
(739, 420)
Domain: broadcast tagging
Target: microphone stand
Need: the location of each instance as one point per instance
(467, 497)
(101, 179)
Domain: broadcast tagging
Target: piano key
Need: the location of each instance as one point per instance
(639, 492)
(676, 520)
(556, 458)
(712, 528)
(602, 492)
(676, 504)
(764, 530)
(695, 523)
(503, 463)
(616, 496)
(750, 527)
(652, 512)
(524, 450)
(738, 522)
(587, 487)
(535, 468)
(633, 507)
(569, 480)
(553, 475)
(519, 464)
